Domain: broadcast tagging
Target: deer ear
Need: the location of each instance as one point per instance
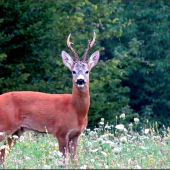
(93, 60)
(67, 60)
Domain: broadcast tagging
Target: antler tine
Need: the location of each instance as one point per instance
(69, 44)
(90, 45)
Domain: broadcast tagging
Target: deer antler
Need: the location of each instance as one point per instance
(90, 45)
(69, 43)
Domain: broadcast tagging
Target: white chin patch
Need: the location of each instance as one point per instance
(80, 86)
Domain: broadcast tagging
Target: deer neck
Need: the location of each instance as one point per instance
(81, 100)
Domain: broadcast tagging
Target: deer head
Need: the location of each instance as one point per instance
(80, 68)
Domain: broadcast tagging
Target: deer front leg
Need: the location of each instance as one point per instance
(63, 147)
(73, 149)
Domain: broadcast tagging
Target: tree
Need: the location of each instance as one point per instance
(150, 83)
(33, 34)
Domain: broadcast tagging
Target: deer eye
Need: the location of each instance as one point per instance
(74, 72)
(87, 72)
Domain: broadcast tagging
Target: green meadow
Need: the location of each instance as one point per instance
(105, 147)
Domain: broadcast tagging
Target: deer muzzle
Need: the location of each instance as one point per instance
(80, 81)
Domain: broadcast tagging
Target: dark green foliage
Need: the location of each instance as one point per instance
(25, 31)
(133, 38)
(150, 83)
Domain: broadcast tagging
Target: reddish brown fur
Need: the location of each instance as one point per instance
(63, 115)
(60, 114)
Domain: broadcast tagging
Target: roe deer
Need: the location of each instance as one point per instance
(63, 115)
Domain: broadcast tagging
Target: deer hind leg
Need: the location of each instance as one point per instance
(9, 143)
(2, 151)
(3, 129)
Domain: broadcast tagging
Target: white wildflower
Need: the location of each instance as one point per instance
(94, 150)
(120, 127)
(136, 120)
(22, 138)
(15, 136)
(166, 139)
(83, 134)
(106, 166)
(3, 147)
(27, 158)
(60, 154)
(51, 143)
(129, 161)
(117, 150)
(83, 167)
(122, 116)
(105, 136)
(101, 123)
(19, 152)
(92, 160)
(102, 119)
(111, 135)
(56, 145)
(123, 139)
(55, 152)
(103, 142)
(88, 130)
(92, 133)
(157, 138)
(107, 126)
(104, 153)
(146, 131)
(108, 141)
(130, 125)
(113, 145)
(89, 143)
(125, 130)
(137, 167)
(2, 133)
(96, 129)
(144, 148)
(112, 126)
(47, 166)
(99, 139)
(143, 137)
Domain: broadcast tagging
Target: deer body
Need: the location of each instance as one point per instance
(63, 115)
(33, 110)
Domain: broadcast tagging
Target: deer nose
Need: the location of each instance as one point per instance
(80, 81)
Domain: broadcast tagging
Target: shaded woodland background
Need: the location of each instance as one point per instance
(133, 76)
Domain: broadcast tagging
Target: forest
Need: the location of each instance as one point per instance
(133, 37)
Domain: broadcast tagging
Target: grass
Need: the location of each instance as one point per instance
(106, 147)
